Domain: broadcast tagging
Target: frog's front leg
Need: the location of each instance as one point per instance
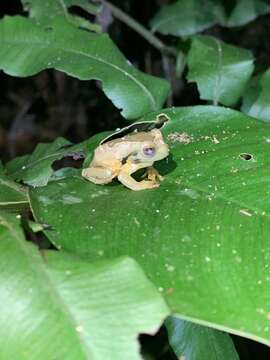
(153, 174)
(99, 174)
(126, 179)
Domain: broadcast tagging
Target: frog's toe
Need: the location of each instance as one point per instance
(148, 184)
(153, 174)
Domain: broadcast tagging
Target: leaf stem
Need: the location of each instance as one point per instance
(140, 29)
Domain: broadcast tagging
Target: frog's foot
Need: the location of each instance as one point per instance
(153, 175)
(98, 175)
(132, 184)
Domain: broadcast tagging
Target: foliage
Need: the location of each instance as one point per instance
(183, 18)
(221, 71)
(184, 246)
(256, 99)
(11, 194)
(199, 342)
(45, 14)
(81, 54)
(50, 295)
(109, 263)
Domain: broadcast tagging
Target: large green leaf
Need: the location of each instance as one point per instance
(221, 71)
(193, 342)
(184, 18)
(62, 307)
(202, 236)
(26, 49)
(256, 100)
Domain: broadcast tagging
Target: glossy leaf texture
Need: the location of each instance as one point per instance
(27, 48)
(221, 71)
(256, 99)
(36, 169)
(192, 341)
(184, 18)
(202, 237)
(58, 306)
(44, 11)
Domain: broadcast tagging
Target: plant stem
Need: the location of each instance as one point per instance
(140, 29)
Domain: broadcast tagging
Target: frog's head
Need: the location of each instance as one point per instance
(152, 147)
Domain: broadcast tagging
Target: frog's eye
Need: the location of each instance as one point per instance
(149, 151)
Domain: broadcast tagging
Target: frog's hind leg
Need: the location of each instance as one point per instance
(126, 179)
(99, 175)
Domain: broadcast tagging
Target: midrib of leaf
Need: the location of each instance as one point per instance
(62, 4)
(7, 203)
(219, 75)
(33, 163)
(98, 59)
(45, 280)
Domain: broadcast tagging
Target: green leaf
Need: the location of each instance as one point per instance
(194, 342)
(36, 169)
(202, 237)
(62, 307)
(12, 195)
(184, 18)
(221, 71)
(81, 54)
(256, 99)
(44, 12)
(246, 11)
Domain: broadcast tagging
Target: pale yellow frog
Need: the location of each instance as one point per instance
(124, 156)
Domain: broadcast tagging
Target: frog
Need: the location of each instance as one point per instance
(121, 157)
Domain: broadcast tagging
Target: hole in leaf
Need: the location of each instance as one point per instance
(74, 160)
(246, 156)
